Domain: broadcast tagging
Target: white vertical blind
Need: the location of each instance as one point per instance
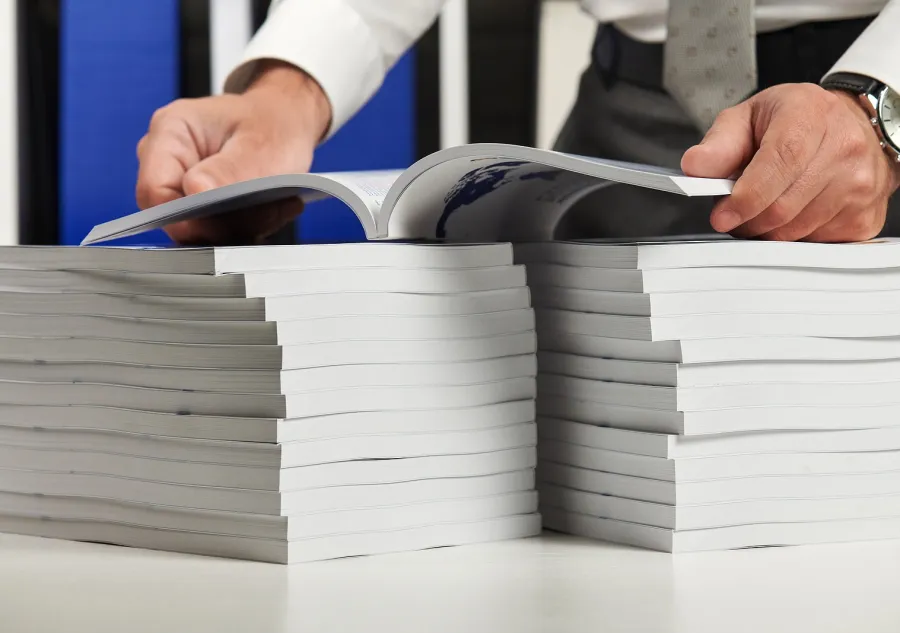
(230, 29)
(9, 138)
(566, 36)
(454, 73)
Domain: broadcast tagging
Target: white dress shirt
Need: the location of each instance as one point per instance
(348, 46)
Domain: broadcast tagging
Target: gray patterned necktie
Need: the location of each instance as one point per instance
(710, 56)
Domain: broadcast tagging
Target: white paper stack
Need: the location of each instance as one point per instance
(718, 394)
(280, 404)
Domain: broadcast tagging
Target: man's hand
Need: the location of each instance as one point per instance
(194, 145)
(809, 167)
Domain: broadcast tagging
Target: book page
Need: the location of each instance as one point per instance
(371, 185)
(491, 192)
(364, 193)
(487, 199)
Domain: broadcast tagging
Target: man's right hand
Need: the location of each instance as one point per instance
(195, 145)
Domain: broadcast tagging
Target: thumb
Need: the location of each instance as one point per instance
(239, 159)
(727, 147)
(235, 162)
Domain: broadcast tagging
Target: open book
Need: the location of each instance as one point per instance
(480, 193)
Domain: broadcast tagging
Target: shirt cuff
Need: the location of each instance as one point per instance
(328, 40)
(875, 53)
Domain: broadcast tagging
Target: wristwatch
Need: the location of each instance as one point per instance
(881, 102)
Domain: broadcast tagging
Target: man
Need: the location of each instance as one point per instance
(742, 76)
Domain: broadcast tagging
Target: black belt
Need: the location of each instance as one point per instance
(803, 53)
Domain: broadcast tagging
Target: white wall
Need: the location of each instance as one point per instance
(9, 143)
(566, 36)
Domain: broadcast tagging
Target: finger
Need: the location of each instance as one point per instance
(817, 212)
(246, 226)
(165, 155)
(788, 146)
(852, 224)
(795, 201)
(240, 158)
(726, 148)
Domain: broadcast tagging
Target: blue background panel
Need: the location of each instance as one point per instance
(119, 62)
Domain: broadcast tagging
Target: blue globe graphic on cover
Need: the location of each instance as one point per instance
(482, 181)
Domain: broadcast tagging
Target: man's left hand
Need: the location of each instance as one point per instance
(808, 164)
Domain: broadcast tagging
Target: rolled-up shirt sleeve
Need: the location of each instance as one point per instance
(347, 46)
(876, 53)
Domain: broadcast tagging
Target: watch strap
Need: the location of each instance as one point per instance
(863, 85)
(858, 84)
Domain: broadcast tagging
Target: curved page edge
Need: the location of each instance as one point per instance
(233, 197)
(609, 171)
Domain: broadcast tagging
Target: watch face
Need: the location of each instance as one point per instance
(889, 113)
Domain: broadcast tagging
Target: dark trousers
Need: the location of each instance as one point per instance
(622, 112)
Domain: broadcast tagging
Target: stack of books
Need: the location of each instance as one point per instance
(274, 403)
(718, 394)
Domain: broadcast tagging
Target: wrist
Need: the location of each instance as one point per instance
(284, 82)
(861, 108)
(855, 103)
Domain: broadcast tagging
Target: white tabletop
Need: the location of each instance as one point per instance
(552, 584)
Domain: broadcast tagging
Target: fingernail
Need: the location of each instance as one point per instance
(725, 220)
